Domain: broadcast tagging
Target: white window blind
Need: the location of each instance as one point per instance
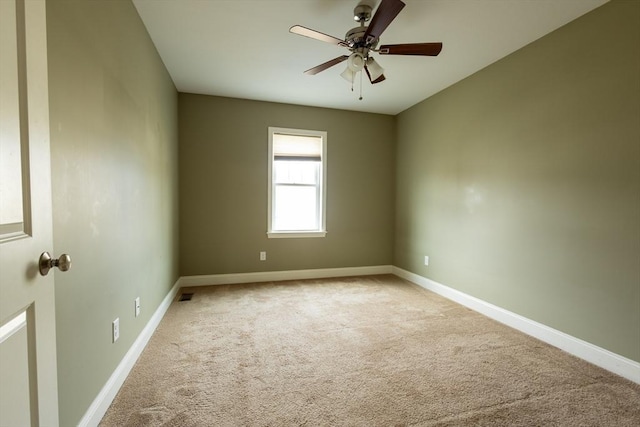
(296, 147)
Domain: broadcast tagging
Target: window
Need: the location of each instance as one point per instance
(297, 166)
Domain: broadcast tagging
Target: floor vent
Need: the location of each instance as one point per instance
(185, 297)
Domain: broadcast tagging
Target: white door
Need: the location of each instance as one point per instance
(28, 381)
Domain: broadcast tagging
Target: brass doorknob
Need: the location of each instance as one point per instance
(47, 263)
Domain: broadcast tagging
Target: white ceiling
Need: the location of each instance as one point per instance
(243, 48)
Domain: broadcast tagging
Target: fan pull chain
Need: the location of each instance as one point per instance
(360, 86)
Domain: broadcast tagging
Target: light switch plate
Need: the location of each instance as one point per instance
(137, 306)
(115, 329)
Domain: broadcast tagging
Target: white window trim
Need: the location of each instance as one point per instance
(322, 232)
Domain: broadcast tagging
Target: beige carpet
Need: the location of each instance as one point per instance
(366, 351)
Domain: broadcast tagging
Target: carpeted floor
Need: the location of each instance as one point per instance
(363, 351)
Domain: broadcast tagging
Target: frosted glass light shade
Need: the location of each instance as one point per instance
(348, 75)
(355, 62)
(374, 69)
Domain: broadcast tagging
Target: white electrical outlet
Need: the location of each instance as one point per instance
(137, 305)
(115, 329)
(426, 260)
(263, 256)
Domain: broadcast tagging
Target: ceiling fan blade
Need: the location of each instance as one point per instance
(328, 64)
(386, 12)
(308, 32)
(423, 49)
(378, 80)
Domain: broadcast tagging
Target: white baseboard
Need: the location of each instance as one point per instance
(101, 403)
(601, 357)
(272, 276)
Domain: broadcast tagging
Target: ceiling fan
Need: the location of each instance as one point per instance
(363, 40)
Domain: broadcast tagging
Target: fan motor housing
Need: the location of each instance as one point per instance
(355, 38)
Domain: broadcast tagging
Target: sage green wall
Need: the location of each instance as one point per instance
(113, 111)
(522, 182)
(223, 187)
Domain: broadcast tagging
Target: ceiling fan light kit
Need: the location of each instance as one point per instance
(363, 40)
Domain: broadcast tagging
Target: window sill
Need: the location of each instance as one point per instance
(295, 234)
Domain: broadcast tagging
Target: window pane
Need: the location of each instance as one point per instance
(296, 172)
(295, 208)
